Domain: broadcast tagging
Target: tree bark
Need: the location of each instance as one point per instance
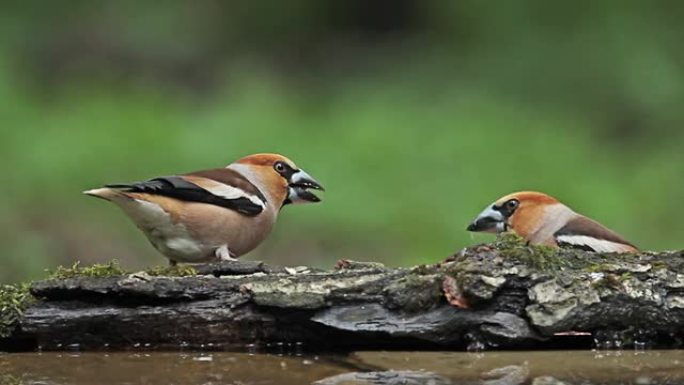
(506, 295)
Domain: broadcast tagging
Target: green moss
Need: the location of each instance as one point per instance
(113, 269)
(110, 269)
(509, 240)
(513, 246)
(8, 379)
(348, 264)
(13, 300)
(173, 271)
(596, 267)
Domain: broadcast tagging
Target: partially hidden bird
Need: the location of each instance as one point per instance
(215, 214)
(543, 220)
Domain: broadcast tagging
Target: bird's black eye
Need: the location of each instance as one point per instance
(280, 167)
(512, 204)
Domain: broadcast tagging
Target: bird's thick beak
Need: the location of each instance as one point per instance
(300, 184)
(489, 221)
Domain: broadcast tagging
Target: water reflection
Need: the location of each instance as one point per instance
(437, 368)
(403, 377)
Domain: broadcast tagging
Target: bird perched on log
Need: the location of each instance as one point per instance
(543, 220)
(220, 213)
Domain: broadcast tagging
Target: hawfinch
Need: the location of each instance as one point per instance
(543, 220)
(220, 213)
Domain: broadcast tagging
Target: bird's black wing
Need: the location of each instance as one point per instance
(213, 192)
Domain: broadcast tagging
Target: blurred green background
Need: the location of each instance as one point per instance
(413, 114)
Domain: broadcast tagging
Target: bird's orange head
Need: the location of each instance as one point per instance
(282, 177)
(521, 211)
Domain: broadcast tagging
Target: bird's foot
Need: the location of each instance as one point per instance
(224, 254)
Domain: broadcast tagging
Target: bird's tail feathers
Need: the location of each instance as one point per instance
(107, 193)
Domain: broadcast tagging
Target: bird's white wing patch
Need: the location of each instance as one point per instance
(230, 192)
(599, 245)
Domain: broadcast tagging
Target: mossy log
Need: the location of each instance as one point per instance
(504, 295)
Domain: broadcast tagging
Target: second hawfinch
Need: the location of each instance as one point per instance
(543, 220)
(220, 213)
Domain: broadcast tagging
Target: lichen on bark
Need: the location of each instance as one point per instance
(505, 294)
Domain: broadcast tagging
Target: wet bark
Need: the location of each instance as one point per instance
(499, 296)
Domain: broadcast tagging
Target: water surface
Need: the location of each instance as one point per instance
(436, 368)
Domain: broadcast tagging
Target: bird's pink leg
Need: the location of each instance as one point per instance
(224, 254)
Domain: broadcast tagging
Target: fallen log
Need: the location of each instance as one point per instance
(504, 295)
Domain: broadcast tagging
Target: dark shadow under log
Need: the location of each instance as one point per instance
(506, 295)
